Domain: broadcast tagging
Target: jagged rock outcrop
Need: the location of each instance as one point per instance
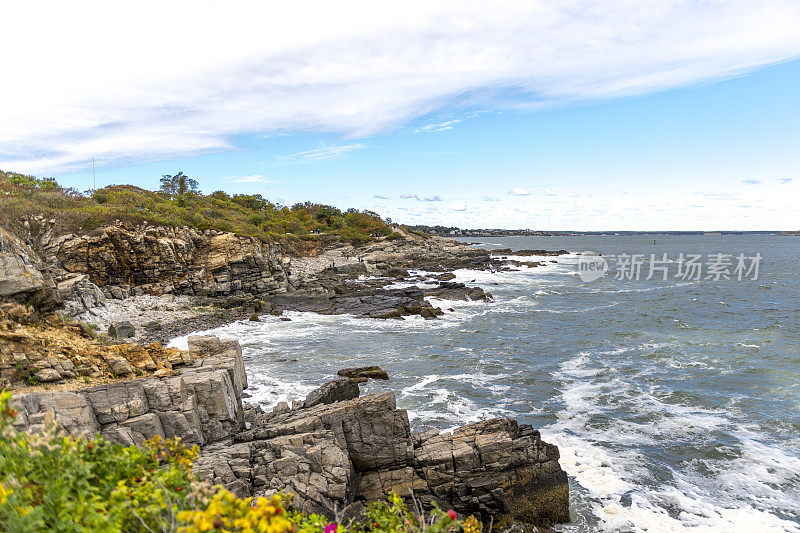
(80, 295)
(124, 259)
(387, 258)
(22, 276)
(201, 405)
(333, 451)
(526, 253)
(331, 455)
(448, 290)
(372, 303)
(46, 350)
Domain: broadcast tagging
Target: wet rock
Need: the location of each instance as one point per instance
(374, 303)
(334, 391)
(523, 253)
(458, 291)
(372, 372)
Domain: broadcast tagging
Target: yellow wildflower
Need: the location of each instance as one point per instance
(4, 494)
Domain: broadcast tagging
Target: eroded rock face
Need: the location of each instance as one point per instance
(159, 260)
(201, 405)
(493, 469)
(22, 276)
(35, 349)
(334, 451)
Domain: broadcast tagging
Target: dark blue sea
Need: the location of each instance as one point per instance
(675, 403)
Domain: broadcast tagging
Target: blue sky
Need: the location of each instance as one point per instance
(694, 127)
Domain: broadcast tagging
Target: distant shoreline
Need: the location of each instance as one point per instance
(440, 231)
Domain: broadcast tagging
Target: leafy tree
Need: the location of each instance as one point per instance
(178, 185)
(256, 202)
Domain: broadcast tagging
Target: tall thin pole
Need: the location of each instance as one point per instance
(94, 181)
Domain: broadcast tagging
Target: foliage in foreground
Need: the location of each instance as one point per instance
(52, 482)
(179, 203)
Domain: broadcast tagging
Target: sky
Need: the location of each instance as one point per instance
(572, 115)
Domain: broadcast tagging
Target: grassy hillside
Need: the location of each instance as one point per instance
(301, 226)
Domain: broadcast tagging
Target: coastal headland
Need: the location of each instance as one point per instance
(85, 316)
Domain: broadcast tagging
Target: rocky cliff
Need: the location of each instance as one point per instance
(156, 260)
(23, 278)
(334, 451)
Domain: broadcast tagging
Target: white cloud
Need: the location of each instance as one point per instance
(255, 178)
(381, 197)
(437, 127)
(784, 181)
(139, 87)
(751, 182)
(519, 191)
(412, 196)
(328, 152)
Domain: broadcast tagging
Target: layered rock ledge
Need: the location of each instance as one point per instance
(334, 451)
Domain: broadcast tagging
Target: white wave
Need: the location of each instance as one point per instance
(579, 310)
(269, 390)
(743, 495)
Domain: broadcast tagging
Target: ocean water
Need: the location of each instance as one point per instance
(675, 404)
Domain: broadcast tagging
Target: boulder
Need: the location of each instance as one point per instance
(80, 295)
(218, 402)
(372, 372)
(334, 391)
(144, 427)
(458, 291)
(121, 330)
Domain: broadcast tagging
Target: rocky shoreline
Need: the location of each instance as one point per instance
(334, 451)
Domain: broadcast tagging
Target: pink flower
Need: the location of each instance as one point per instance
(451, 513)
(331, 528)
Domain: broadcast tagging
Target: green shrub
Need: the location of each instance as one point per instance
(244, 214)
(52, 482)
(26, 373)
